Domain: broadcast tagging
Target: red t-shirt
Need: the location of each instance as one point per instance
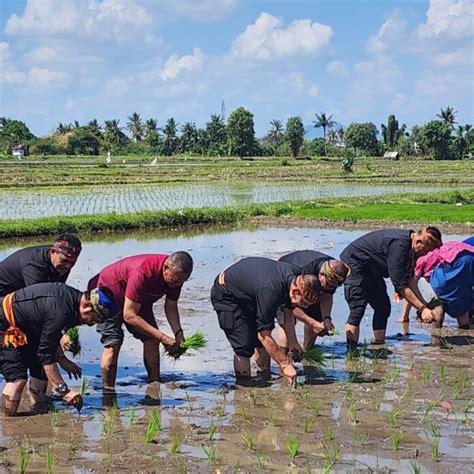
(139, 278)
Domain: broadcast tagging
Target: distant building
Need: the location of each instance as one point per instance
(19, 151)
(391, 155)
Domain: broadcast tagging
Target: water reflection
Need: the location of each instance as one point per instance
(122, 199)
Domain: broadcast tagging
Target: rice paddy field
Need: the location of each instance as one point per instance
(403, 407)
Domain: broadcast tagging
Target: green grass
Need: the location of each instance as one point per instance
(73, 334)
(435, 208)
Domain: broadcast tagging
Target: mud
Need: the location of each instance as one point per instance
(346, 416)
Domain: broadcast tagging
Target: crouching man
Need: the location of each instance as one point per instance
(32, 320)
(246, 297)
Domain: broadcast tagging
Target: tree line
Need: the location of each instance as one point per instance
(440, 138)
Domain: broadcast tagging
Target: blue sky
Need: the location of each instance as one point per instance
(65, 60)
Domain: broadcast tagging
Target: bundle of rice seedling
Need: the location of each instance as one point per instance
(76, 347)
(315, 356)
(195, 342)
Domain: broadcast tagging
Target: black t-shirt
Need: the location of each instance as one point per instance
(26, 267)
(263, 285)
(387, 252)
(309, 261)
(42, 311)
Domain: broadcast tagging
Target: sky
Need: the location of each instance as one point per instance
(360, 60)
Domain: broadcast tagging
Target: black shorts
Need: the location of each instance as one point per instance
(111, 332)
(236, 320)
(15, 363)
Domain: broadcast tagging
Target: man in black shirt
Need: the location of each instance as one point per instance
(40, 264)
(331, 274)
(31, 323)
(389, 253)
(246, 297)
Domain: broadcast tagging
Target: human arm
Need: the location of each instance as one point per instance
(326, 307)
(172, 315)
(71, 397)
(316, 326)
(289, 328)
(265, 337)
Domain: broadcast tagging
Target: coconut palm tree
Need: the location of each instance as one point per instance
(188, 138)
(94, 128)
(113, 133)
(275, 135)
(448, 116)
(170, 140)
(135, 127)
(324, 121)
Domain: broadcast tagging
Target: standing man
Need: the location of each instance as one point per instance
(31, 323)
(331, 274)
(246, 297)
(40, 264)
(389, 253)
(136, 283)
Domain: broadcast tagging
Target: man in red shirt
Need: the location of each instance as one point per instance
(136, 283)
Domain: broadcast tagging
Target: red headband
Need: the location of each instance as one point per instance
(66, 248)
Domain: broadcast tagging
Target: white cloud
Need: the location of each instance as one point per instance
(116, 86)
(267, 40)
(108, 19)
(389, 33)
(174, 65)
(43, 54)
(448, 18)
(460, 57)
(4, 51)
(338, 68)
(204, 10)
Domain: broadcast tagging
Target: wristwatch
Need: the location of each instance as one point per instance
(62, 389)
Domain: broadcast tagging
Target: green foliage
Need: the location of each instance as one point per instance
(293, 446)
(294, 135)
(176, 443)
(318, 147)
(154, 426)
(24, 459)
(240, 132)
(434, 138)
(348, 161)
(362, 137)
(13, 132)
(76, 346)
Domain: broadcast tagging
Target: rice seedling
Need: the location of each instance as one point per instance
(394, 416)
(49, 460)
(248, 440)
(253, 397)
(379, 401)
(455, 391)
(407, 391)
(73, 334)
(71, 449)
(55, 417)
(435, 431)
(463, 379)
(132, 416)
(193, 343)
(108, 426)
(443, 374)
(24, 459)
(314, 357)
(308, 423)
(434, 445)
(468, 405)
(210, 452)
(272, 418)
(293, 446)
(331, 455)
(212, 430)
(361, 438)
(353, 411)
(188, 399)
(176, 443)
(396, 439)
(261, 463)
(154, 426)
(415, 467)
(220, 411)
(328, 433)
(426, 374)
(179, 465)
(114, 409)
(392, 375)
(316, 408)
(243, 415)
(84, 385)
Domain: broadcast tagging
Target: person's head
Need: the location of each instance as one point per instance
(333, 273)
(177, 269)
(96, 305)
(304, 291)
(64, 252)
(426, 240)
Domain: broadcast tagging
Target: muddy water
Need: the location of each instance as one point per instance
(345, 416)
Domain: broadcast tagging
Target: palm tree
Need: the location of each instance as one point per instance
(170, 140)
(188, 138)
(332, 136)
(340, 135)
(94, 127)
(135, 127)
(448, 116)
(113, 133)
(322, 120)
(275, 135)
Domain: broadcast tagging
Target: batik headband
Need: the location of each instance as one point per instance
(332, 275)
(66, 248)
(310, 296)
(102, 304)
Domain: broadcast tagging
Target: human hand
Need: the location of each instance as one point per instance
(65, 343)
(74, 399)
(328, 325)
(71, 368)
(427, 316)
(295, 352)
(318, 328)
(289, 372)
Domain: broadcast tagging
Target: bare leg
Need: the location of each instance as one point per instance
(463, 321)
(12, 396)
(241, 367)
(151, 359)
(405, 314)
(379, 336)
(438, 316)
(352, 333)
(309, 338)
(282, 340)
(37, 389)
(262, 359)
(108, 366)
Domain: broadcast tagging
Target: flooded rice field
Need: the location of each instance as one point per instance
(123, 199)
(406, 409)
